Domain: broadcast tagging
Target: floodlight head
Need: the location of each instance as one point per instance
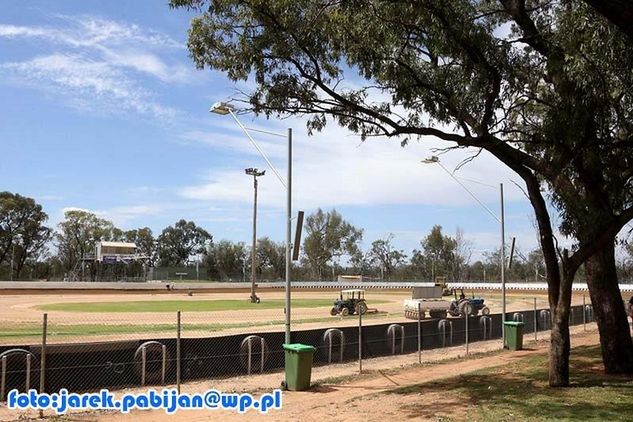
(430, 160)
(254, 172)
(221, 108)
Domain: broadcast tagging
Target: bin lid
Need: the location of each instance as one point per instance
(299, 348)
(513, 323)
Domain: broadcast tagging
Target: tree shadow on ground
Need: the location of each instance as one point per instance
(519, 391)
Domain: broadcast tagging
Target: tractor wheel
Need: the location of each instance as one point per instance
(465, 308)
(345, 312)
(361, 308)
(485, 311)
(333, 311)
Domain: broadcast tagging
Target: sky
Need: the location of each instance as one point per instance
(102, 109)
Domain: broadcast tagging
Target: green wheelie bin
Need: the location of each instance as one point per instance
(298, 366)
(514, 335)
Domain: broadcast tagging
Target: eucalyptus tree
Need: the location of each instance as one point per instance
(544, 86)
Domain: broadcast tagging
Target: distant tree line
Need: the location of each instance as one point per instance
(332, 246)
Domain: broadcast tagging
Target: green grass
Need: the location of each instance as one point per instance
(185, 305)
(519, 392)
(82, 330)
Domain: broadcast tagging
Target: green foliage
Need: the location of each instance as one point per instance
(78, 234)
(385, 256)
(543, 86)
(439, 253)
(145, 243)
(328, 237)
(226, 259)
(180, 242)
(23, 235)
(271, 257)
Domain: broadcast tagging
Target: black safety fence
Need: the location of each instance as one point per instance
(182, 355)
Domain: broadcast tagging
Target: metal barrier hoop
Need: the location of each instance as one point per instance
(441, 325)
(391, 333)
(3, 375)
(589, 312)
(485, 322)
(544, 316)
(142, 370)
(327, 337)
(246, 352)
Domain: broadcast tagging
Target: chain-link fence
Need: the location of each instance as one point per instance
(94, 344)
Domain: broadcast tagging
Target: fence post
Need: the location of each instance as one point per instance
(143, 363)
(27, 381)
(360, 343)
(178, 352)
(419, 334)
(467, 316)
(4, 378)
(43, 353)
(584, 314)
(164, 365)
(535, 322)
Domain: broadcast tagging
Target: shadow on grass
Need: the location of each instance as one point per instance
(519, 391)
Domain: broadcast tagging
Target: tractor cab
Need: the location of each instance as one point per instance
(350, 302)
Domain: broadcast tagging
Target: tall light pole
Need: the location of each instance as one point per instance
(224, 109)
(436, 160)
(255, 173)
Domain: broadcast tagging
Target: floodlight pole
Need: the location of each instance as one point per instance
(503, 267)
(225, 108)
(255, 173)
(254, 250)
(288, 235)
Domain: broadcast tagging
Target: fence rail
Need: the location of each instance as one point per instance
(382, 285)
(175, 357)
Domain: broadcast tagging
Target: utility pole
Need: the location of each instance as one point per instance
(503, 265)
(255, 173)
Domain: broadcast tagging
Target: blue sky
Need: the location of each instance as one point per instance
(103, 110)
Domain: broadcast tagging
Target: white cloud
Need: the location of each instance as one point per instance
(87, 84)
(96, 63)
(122, 215)
(90, 31)
(147, 63)
(333, 168)
(13, 31)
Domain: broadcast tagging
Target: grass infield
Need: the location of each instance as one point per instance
(186, 305)
(21, 330)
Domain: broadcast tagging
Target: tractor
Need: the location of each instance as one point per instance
(467, 306)
(350, 302)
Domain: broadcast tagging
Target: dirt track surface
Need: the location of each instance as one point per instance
(360, 397)
(24, 309)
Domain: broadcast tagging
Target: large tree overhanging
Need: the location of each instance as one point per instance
(528, 98)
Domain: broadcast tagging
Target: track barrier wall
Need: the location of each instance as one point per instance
(117, 364)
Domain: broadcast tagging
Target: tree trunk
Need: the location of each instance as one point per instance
(558, 289)
(609, 312)
(559, 347)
